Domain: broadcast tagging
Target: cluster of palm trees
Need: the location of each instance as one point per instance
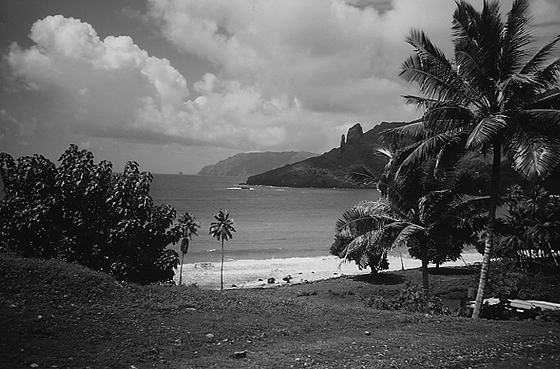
(221, 229)
(497, 96)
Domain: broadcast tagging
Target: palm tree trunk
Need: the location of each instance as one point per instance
(222, 268)
(489, 243)
(425, 277)
(181, 270)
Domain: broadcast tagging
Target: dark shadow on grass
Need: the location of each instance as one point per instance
(453, 270)
(386, 278)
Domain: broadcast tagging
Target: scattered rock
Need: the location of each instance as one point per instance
(210, 336)
(239, 354)
(271, 280)
(34, 365)
(367, 333)
(287, 278)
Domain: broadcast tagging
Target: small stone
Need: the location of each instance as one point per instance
(271, 280)
(239, 354)
(34, 365)
(367, 333)
(210, 336)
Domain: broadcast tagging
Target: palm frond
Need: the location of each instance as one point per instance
(449, 154)
(551, 74)
(534, 156)
(430, 69)
(535, 64)
(411, 233)
(544, 121)
(486, 131)
(471, 73)
(445, 117)
(411, 132)
(428, 148)
(465, 19)
(364, 216)
(361, 173)
(516, 36)
(489, 40)
(546, 99)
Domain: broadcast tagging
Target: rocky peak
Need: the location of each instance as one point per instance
(355, 134)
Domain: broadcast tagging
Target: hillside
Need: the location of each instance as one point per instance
(332, 169)
(246, 164)
(57, 315)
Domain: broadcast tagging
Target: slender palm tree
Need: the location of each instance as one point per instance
(188, 228)
(496, 96)
(414, 210)
(221, 229)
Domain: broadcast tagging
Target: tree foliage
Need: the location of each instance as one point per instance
(82, 212)
(531, 233)
(433, 217)
(496, 95)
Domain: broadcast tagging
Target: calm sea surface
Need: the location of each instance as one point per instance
(271, 222)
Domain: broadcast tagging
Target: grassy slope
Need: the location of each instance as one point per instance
(58, 315)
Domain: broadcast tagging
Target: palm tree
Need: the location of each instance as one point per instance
(188, 229)
(414, 210)
(495, 96)
(221, 229)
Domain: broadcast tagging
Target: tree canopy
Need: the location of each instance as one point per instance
(496, 95)
(82, 212)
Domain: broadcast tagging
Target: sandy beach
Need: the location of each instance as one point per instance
(255, 273)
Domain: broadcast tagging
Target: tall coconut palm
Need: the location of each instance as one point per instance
(414, 210)
(188, 228)
(221, 229)
(496, 96)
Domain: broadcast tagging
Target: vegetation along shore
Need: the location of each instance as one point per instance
(87, 273)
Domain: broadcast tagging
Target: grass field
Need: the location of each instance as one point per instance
(56, 315)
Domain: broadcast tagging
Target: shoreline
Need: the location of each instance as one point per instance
(255, 273)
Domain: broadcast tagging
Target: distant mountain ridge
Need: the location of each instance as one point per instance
(332, 169)
(247, 164)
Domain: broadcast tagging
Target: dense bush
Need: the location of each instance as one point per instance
(530, 233)
(412, 299)
(82, 212)
(509, 281)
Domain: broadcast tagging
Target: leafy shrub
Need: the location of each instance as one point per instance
(509, 281)
(412, 299)
(81, 212)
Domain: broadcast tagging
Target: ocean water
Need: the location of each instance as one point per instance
(270, 222)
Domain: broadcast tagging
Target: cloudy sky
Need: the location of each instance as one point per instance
(180, 84)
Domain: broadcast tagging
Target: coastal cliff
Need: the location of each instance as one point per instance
(332, 169)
